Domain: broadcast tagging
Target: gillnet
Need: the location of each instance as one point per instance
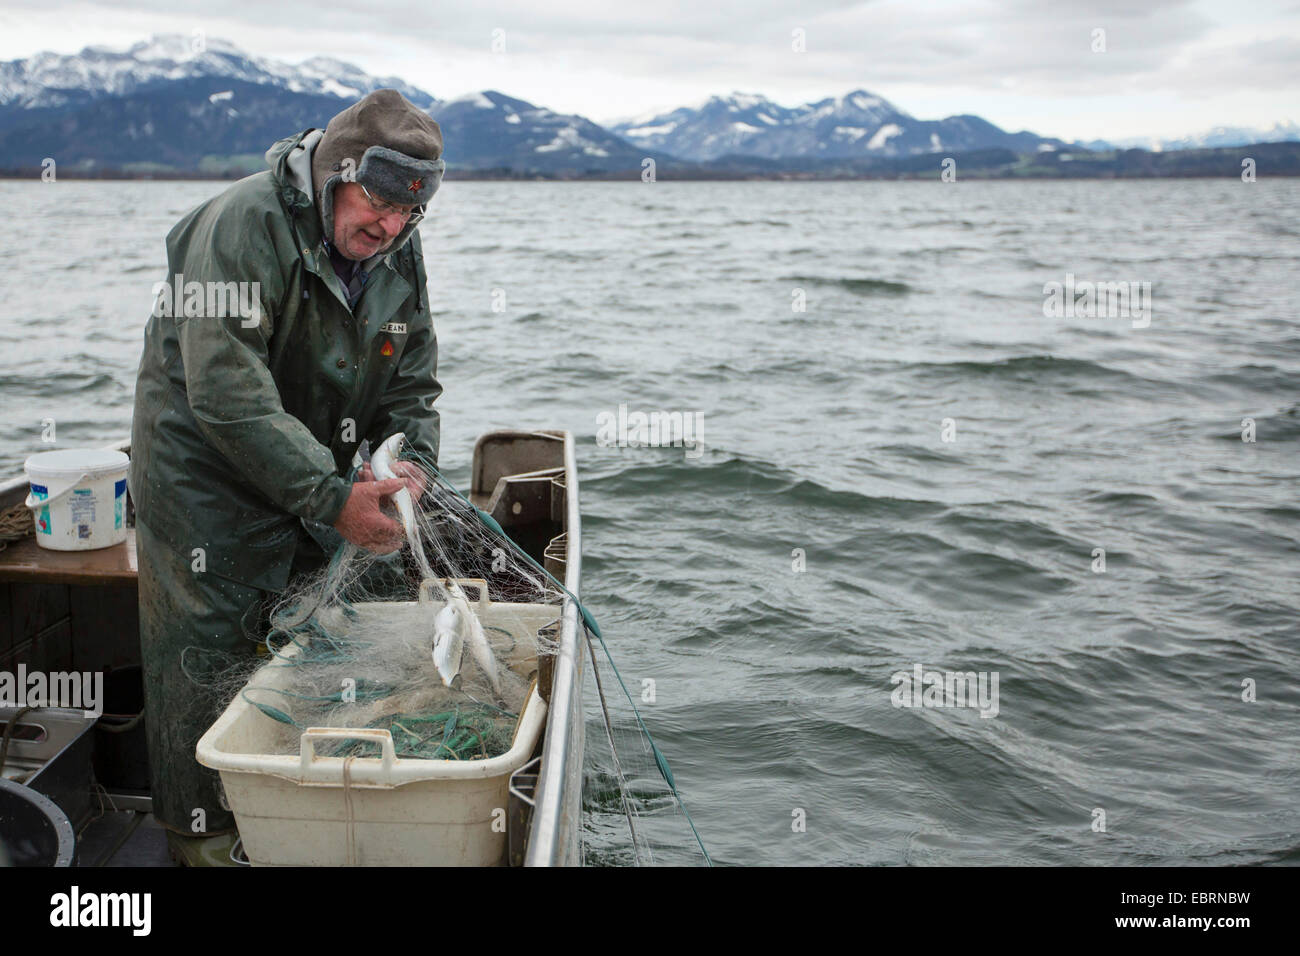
(439, 647)
(634, 815)
(438, 644)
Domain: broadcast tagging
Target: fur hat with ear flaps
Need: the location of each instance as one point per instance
(385, 143)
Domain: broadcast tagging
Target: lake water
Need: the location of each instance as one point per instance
(918, 469)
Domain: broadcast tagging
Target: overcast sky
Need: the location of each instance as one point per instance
(1170, 67)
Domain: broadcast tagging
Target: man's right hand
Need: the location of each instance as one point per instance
(361, 521)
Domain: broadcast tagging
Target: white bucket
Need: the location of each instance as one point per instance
(78, 498)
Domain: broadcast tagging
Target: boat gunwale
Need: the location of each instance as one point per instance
(559, 780)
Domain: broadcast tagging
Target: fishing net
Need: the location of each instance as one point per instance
(633, 813)
(441, 646)
(439, 643)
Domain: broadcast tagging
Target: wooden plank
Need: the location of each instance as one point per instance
(6, 620)
(105, 627)
(20, 653)
(27, 561)
(36, 607)
(52, 649)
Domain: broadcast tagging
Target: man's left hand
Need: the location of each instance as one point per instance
(406, 470)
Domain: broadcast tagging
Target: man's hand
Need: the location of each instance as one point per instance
(361, 521)
(406, 470)
(410, 472)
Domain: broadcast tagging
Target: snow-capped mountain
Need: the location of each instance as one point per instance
(718, 126)
(493, 130)
(858, 124)
(173, 103)
(51, 80)
(193, 105)
(1219, 136)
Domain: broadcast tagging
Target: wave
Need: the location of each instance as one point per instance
(931, 223)
(807, 370)
(1032, 368)
(1016, 532)
(55, 383)
(1127, 504)
(721, 479)
(858, 286)
(1262, 377)
(1284, 426)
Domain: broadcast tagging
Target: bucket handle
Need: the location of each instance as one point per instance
(479, 584)
(307, 744)
(33, 502)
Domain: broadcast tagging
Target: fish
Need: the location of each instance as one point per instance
(381, 462)
(479, 647)
(455, 626)
(449, 641)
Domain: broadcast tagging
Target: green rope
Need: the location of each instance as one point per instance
(275, 713)
(460, 734)
(589, 623)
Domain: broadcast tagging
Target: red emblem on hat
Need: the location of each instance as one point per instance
(416, 185)
(387, 350)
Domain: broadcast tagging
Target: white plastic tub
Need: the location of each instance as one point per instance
(78, 498)
(297, 810)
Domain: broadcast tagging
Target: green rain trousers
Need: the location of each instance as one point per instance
(198, 632)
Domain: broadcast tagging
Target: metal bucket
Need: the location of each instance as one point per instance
(121, 751)
(33, 830)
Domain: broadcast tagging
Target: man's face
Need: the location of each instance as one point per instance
(359, 230)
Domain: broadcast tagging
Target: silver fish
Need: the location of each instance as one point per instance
(381, 462)
(449, 641)
(455, 626)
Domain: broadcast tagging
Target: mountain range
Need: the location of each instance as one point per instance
(855, 125)
(185, 105)
(1219, 136)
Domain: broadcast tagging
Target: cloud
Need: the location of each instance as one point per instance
(600, 60)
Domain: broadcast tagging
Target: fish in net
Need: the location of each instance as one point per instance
(438, 646)
(438, 643)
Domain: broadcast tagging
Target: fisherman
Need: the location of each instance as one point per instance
(247, 426)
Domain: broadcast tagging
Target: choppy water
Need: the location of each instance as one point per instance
(1119, 690)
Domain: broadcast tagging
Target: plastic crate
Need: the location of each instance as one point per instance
(298, 810)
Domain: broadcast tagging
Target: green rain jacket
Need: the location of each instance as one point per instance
(246, 423)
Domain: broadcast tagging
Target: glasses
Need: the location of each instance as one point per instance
(412, 216)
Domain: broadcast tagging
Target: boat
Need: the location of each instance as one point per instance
(77, 612)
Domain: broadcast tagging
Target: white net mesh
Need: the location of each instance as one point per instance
(439, 643)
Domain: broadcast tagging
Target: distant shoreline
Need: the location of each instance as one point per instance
(1263, 159)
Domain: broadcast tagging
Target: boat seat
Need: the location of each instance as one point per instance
(26, 561)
